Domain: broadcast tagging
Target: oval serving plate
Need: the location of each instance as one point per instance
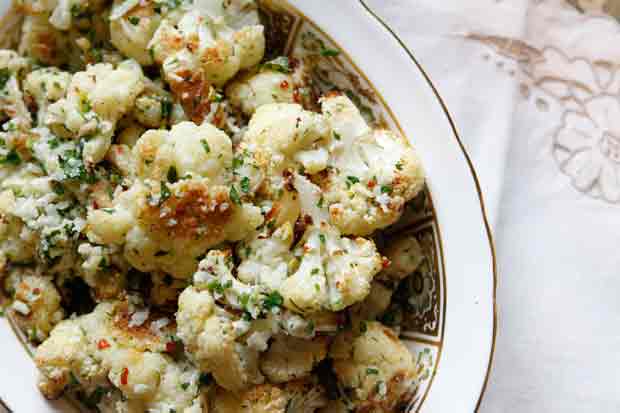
(450, 320)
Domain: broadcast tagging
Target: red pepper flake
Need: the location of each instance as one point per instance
(171, 346)
(103, 344)
(296, 96)
(124, 376)
(36, 291)
(386, 262)
(284, 84)
(372, 183)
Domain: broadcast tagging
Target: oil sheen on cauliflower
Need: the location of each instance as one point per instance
(181, 204)
(376, 366)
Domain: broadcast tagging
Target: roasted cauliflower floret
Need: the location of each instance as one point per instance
(253, 90)
(46, 86)
(182, 204)
(12, 104)
(210, 338)
(96, 100)
(118, 346)
(375, 304)
(266, 260)
(36, 304)
(334, 272)
(376, 365)
(296, 396)
(132, 29)
(405, 255)
(187, 149)
(372, 172)
(206, 47)
(285, 135)
(291, 358)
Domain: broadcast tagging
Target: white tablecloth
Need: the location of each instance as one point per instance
(534, 89)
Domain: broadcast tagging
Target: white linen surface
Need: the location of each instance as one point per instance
(533, 87)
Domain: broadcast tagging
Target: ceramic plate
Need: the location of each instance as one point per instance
(450, 320)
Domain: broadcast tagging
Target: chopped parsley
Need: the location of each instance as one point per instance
(322, 238)
(234, 195)
(11, 158)
(337, 136)
(319, 204)
(166, 107)
(5, 75)
(172, 175)
(273, 300)
(184, 386)
(386, 189)
(280, 64)
(134, 20)
(73, 167)
(245, 184)
(205, 145)
(370, 371)
(164, 193)
(352, 180)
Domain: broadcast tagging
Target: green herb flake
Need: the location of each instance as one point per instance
(134, 20)
(234, 195)
(245, 185)
(11, 158)
(370, 371)
(352, 180)
(5, 75)
(273, 300)
(164, 193)
(322, 238)
(337, 136)
(280, 64)
(172, 175)
(386, 189)
(184, 386)
(205, 145)
(315, 271)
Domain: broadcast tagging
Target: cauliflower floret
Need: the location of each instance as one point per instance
(375, 304)
(154, 107)
(372, 172)
(405, 255)
(46, 86)
(36, 306)
(188, 149)
(204, 49)
(109, 352)
(182, 204)
(96, 100)
(266, 260)
(132, 29)
(16, 244)
(11, 98)
(253, 90)
(291, 358)
(209, 336)
(376, 365)
(334, 272)
(298, 396)
(282, 134)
